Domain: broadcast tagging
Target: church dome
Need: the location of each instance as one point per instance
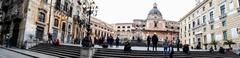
(155, 11)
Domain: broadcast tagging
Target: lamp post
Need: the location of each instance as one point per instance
(89, 9)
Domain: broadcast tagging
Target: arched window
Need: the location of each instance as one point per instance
(41, 17)
(172, 28)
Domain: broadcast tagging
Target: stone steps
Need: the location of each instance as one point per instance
(117, 53)
(61, 51)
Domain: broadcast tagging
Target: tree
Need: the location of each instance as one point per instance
(229, 43)
(214, 42)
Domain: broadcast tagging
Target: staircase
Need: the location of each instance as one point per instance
(114, 53)
(62, 51)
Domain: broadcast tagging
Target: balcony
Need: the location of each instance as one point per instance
(222, 16)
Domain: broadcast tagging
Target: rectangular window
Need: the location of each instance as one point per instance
(65, 6)
(185, 28)
(238, 2)
(224, 35)
(198, 22)
(212, 27)
(123, 26)
(213, 36)
(210, 4)
(205, 38)
(222, 9)
(118, 27)
(193, 24)
(63, 26)
(58, 4)
(203, 8)
(189, 26)
(39, 33)
(41, 17)
(45, 1)
(224, 23)
(204, 29)
(204, 19)
(128, 26)
(211, 15)
(56, 22)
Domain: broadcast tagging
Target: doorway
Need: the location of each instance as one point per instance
(15, 33)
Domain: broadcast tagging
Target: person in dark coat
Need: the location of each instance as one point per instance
(171, 50)
(87, 42)
(211, 50)
(108, 40)
(127, 46)
(148, 42)
(221, 50)
(111, 41)
(186, 48)
(117, 42)
(96, 40)
(100, 40)
(154, 42)
(49, 38)
(178, 43)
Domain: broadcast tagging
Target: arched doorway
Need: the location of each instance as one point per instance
(15, 33)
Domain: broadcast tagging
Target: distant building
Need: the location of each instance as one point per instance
(154, 24)
(124, 30)
(101, 29)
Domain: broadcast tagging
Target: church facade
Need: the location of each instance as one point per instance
(153, 24)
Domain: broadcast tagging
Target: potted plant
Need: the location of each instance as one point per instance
(229, 43)
(214, 42)
(205, 44)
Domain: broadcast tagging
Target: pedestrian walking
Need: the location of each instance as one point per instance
(117, 41)
(154, 42)
(8, 44)
(171, 50)
(148, 42)
(165, 46)
(49, 38)
(108, 40)
(178, 43)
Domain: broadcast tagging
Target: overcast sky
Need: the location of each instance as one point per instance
(124, 11)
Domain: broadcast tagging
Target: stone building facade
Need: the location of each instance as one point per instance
(211, 20)
(101, 29)
(33, 20)
(154, 24)
(124, 30)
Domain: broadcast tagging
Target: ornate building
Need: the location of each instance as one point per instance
(32, 20)
(154, 24)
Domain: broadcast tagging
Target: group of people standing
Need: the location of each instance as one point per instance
(109, 41)
(167, 45)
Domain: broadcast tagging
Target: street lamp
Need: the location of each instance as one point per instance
(89, 9)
